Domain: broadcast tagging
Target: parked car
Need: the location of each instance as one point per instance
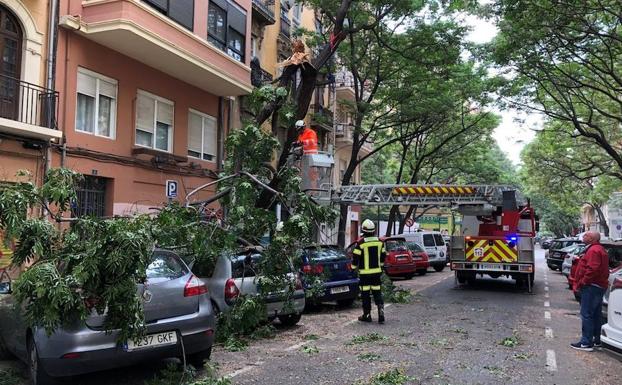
(178, 314)
(433, 244)
(399, 261)
(420, 257)
(545, 243)
(613, 274)
(570, 253)
(614, 250)
(340, 282)
(239, 274)
(611, 332)
(555, 256)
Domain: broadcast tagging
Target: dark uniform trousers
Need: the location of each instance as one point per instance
(368, 258)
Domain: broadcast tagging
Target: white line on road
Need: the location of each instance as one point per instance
(548, 332)
(546, 288)
(551, 363)
(244, 369)
(546, 295)
(547, 304)
(547, 315)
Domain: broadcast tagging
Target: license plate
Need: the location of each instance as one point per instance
(341, 289)
(491, 266)
(152, 341)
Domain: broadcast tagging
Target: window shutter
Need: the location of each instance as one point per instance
(165, 113)
(145, 111)
(86, 84)
(182, 11)
(107, 89)
(195, 123)
(237, 19)
(210, 132)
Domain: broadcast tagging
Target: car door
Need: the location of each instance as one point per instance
(12, 323)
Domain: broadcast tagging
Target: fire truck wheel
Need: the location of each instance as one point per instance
(460, 277)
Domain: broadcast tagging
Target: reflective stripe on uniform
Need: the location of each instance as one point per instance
(365, 288)
(375, 287)
(371, 250)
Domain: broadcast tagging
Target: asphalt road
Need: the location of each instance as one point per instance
(448, 334)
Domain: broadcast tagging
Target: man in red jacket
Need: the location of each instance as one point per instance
(591, 279)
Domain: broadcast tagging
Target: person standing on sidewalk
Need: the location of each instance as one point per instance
(591, 283)
(368, 257)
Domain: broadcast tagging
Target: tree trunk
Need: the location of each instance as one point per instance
(602, 220)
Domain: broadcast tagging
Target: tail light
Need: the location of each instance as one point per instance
(194, 286)
(231, 290)
(70, 356)
(391, 258)
(349, 266)
(617, 284)
(313, 269)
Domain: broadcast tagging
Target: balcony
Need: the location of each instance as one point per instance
(137, 30)
(263, 12)
(321, 118)
(28, 110)
(344, 84)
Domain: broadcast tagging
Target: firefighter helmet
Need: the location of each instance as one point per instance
(300, 124)
(368, 226)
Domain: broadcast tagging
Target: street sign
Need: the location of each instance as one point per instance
(171, 189)
(410, 222)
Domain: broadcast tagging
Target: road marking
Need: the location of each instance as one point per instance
(551, 363)
(546, 295)
(547, 304)
(547, 315)
(296, 346)
(244, 369)
(546, 288)
(548, 332)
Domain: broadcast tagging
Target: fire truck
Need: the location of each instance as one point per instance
(497, 231)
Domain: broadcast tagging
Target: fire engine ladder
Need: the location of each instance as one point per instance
(422, 194)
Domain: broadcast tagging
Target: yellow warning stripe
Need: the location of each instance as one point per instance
(497, 252)
(411, 190)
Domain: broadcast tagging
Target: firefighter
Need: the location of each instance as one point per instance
(307, 138)
(368, 258)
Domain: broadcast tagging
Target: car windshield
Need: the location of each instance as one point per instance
(558, 245)
(428, 240)
(325, 253)
(395, 245)
(439, 240)
(245, 265)
(165, 266)
(414, 247)
(570, 249)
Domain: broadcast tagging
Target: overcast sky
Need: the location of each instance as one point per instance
(517, 127)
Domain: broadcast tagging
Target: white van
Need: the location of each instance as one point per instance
(433, 244)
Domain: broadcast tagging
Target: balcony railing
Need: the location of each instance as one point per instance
(285, 25)
(28, 103)
(264, 10)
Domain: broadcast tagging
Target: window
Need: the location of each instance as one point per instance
(91, 197)
(254, 48)
(428, 240)
(154, 122)
(165, 267)
(182, 11)
(96, 108)
(202, 136)
(439, 240)
(297, 14)
(226, 26)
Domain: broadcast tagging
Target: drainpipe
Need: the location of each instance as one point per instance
(220, 133)
(50, 74)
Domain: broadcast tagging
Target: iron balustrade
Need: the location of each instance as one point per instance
(266, 9)
(285, 24)
(28, 103)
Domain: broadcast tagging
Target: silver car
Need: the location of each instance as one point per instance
(178, 314)
(572, 253)
(237, 274)
(613, 274)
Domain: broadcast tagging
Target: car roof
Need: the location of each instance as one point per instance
(567, 239)
(607, 242)
(393, 238)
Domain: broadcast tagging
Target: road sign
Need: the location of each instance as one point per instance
(410, 222)
(171, 189)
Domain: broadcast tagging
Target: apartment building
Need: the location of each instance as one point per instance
(148, 91)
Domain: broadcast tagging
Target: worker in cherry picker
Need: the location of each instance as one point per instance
(368, 258)
(307, 138)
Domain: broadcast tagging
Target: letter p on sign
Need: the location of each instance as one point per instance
(171, 189)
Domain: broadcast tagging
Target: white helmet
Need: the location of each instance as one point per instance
(300, 124)
(368, 226)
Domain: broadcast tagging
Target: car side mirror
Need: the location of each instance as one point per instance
(5, 288)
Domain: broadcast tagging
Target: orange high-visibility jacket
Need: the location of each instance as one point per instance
(308, 139)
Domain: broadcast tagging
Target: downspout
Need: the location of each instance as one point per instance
(51, 74)
(220, 134)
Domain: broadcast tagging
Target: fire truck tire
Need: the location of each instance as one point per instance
(460, 277)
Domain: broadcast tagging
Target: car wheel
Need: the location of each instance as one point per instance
(198, 359)
(422, 272)
(551, 267)
(38, 376)
(346, 302)
(439, 268)
(409, 275)
(289, 319)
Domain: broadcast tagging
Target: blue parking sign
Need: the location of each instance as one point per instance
(171, 189)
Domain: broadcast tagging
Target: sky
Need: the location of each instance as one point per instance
(518, 127)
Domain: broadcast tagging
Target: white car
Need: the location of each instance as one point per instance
(611, 332)
(433, 244)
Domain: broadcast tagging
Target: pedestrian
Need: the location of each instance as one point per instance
(368, 257)
(592, 278)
